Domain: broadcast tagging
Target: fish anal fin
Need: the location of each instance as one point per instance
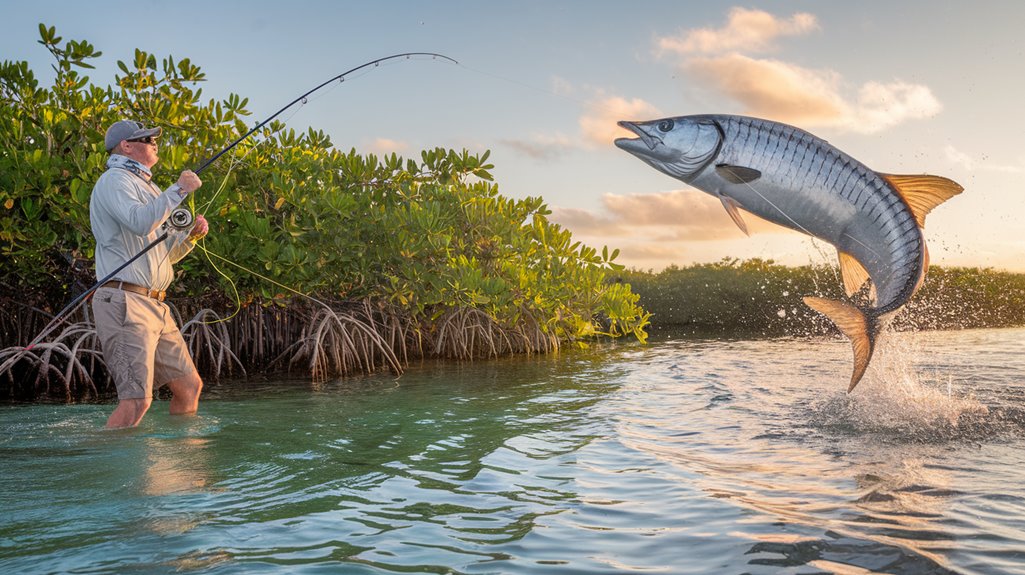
(925, 259)
(853, 273)
(737, 174)
(733, 209)
(925, 268)
(855, 325)
(922, 193)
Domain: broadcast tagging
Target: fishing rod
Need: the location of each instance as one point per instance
(182, 218)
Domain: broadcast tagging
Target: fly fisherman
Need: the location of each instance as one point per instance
(141, 344)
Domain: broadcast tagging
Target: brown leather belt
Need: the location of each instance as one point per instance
(118, 284)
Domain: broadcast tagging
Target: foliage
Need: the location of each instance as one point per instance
(962, 297)
(760, 296)
(419, 237)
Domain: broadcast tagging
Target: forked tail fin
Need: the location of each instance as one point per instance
(860, 328)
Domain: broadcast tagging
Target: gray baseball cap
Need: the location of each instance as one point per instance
(127, 130)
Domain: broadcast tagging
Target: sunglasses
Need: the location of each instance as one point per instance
(146, 140)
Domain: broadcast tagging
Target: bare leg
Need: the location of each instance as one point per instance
(186, 390)
(128, 413)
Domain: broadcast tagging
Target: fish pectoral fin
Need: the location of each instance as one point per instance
(858, 327)
(853, 273)
(733, 209)
(923, 192)
(737, 174)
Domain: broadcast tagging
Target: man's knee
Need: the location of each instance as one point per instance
(189, 385)
(185, 392)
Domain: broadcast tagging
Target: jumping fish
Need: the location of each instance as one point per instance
(790, 177)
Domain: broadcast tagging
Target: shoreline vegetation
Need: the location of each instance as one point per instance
(762, 298)
(319, 261)
(331, 263)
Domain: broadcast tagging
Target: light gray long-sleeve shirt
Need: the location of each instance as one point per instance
(126, 212)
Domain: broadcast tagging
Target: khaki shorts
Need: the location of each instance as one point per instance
(141, 344)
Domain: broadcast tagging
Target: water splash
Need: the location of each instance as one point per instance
(901, 399)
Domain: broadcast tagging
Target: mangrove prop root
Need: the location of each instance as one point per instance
(347, 339)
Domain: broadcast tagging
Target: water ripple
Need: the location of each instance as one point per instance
(684, 456)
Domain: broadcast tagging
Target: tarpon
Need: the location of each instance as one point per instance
(790, 177)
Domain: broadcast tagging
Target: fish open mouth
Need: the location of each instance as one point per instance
(644, 141)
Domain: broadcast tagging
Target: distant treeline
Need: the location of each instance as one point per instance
(760, 297)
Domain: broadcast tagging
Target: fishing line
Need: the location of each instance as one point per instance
(545, 91)
(775, 207)
(791, 220)
(263, 277)
(231, 282)
(60, 316)
(814, 242)
(305, 96)
(236, 161)
(597, 100)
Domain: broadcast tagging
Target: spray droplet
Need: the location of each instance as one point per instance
(305, 101)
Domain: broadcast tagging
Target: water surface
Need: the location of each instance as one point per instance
(682, 456)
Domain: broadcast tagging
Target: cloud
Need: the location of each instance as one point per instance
(745, 31)
(598, 123)
(649, 253)
(543, 147)
(680, 226)
(588, 222)
(562, 87)
(775, 89)
(679, 215)
(880, 106)
(771, 88)
(972, 164)
(382, 146)
(789, 93)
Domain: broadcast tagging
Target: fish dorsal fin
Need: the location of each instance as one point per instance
(733, 209)
(923, 193)
(737, 174)
(853, 273)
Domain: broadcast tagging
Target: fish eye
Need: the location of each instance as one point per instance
(665, 125)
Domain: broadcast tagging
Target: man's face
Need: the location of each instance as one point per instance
(143, 150)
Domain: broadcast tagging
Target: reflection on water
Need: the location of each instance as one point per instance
(684, 456)
(178, 465)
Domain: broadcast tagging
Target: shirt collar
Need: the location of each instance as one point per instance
(126, 163)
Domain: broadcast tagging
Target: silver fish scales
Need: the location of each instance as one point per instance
(790, 177)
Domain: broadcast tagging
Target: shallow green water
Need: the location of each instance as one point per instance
(683, 456)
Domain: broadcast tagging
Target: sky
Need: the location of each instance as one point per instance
(905, 87)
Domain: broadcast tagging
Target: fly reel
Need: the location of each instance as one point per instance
(181, 219)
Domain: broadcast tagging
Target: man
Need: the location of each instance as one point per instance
(141, 344)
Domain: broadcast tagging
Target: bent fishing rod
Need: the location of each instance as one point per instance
(182, 219)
